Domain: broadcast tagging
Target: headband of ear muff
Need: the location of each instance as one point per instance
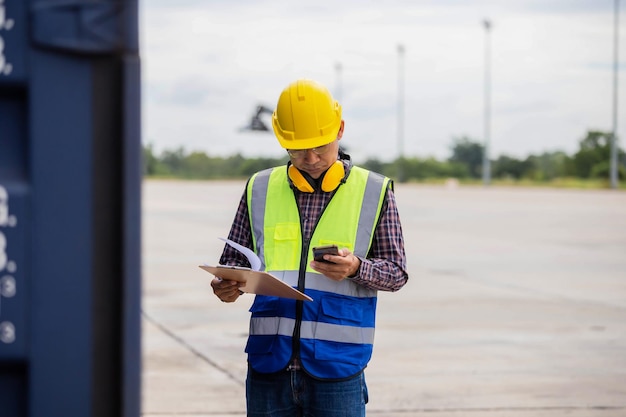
(332, 178)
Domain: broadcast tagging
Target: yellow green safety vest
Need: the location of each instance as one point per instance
(333, 335)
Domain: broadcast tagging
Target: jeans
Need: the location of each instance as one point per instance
(294, 393)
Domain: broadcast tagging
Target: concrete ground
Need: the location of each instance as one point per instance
(515, 307)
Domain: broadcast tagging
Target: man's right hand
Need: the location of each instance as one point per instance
(226, 290)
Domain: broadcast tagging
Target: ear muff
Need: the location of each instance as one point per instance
(332, 178)
(298, 180)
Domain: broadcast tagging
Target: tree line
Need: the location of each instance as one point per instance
(591, 161)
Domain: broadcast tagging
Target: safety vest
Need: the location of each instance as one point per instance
(334, 334)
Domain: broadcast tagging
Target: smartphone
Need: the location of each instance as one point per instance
(320, 251)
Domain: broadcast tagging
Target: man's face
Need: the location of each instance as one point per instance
(316, 162)
(315, 165)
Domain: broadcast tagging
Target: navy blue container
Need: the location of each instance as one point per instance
(70, 192)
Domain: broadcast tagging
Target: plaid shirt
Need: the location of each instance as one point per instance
(385, 266)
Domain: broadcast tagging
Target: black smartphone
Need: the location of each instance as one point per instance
(320, 251)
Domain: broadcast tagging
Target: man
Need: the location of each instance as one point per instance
(307, 358)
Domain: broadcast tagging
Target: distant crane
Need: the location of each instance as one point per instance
(256, 124)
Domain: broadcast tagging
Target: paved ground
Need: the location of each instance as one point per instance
(516, 305)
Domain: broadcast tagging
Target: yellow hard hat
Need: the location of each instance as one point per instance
(306, 116)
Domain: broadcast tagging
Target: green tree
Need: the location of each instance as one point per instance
(509, 167)
(149, 160)
(198, 165)
(469, 153)
(595, 149)
(250, 166)
(174, 160)
(421, 169)
(548, 166)
(591, 161)
(375, 165)
(603, 169)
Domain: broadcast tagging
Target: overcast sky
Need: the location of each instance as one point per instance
(208, 64)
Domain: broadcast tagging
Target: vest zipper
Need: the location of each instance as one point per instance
(306, 242)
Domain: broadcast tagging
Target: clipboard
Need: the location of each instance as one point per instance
(257, 282)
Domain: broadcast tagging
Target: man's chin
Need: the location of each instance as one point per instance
(313, 173)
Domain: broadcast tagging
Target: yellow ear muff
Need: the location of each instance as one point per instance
(298, 180)
(333, 177)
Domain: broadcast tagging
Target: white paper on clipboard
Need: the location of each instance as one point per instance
(256, 282)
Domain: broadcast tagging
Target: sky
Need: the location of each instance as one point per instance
(206, 65)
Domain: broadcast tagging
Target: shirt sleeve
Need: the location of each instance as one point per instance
(240, 232)
(385, 266)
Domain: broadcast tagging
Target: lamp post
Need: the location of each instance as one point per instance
(487, 103)
(400, 111)
(339, 85)
(614, 148)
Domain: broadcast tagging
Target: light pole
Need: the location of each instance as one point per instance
(614, 147)
(400, 111)
(487, 103)
(339, 85)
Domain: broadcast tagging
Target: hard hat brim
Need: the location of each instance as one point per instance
(306, 143)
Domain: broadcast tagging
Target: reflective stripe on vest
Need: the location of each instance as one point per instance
(310, 330)
(342, 315)
(345, 287)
